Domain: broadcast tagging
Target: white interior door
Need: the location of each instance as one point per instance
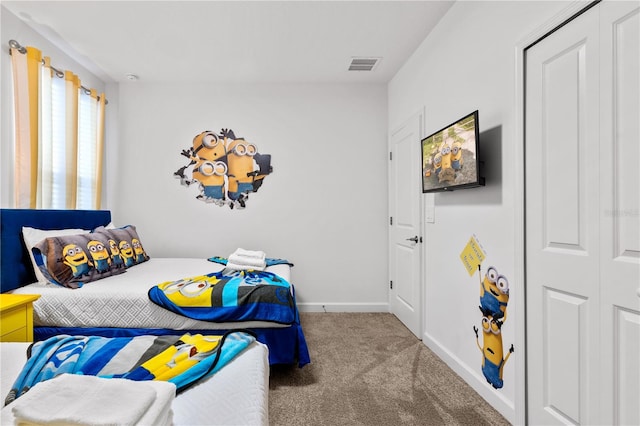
(582, 221)
(405, 235)
(620, 212)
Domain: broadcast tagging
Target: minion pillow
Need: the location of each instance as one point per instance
(125, 246)
(74, 260)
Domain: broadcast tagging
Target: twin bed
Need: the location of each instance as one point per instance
(120, 304)
(235, 395)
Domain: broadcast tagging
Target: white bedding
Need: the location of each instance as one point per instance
(235, 395)
(121, 300)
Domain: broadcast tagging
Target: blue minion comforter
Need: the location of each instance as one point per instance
(229, 296)
(181, 360)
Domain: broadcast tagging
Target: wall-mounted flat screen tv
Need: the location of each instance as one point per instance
(450, 157)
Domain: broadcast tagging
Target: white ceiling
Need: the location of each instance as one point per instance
(234, 41)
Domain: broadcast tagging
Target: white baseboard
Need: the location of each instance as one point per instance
(473, 379)
(343, 307)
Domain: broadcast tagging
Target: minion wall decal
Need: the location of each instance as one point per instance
(492, 349)
(494, 296)
(225, 168)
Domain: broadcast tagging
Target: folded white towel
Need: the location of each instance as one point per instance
(77, 399)
(247, 261)
(250, 253)
(239, 267)
(160, 412)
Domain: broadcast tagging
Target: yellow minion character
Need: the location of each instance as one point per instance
(207, 146)
(140, 255)
(209, 168)
(494, 294)
(74, 257)
(127, 253)
(192, 292)
(100, 256)
(437, 164)
(456, 156)
(116, 258)
(182, 355)
(213, 178)
(241, 168)
(492, 350)
(445, 152)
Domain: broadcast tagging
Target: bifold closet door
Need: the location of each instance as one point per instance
(582, 220)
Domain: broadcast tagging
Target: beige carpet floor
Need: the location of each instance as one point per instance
(369, 369)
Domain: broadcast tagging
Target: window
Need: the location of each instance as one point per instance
(59, 135)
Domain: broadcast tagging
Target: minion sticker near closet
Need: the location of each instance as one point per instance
(494, 299)
(224, 168)
(494, 296)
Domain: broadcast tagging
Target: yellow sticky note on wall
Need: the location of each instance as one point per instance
(472, 255)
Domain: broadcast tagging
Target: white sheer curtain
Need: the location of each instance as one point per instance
(87, 152)
(61, 168)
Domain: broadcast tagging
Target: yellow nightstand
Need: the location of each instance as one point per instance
(16, 317)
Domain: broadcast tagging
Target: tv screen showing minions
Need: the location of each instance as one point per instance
(450, 157)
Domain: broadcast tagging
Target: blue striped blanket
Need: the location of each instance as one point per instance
(229, 295)
(181, 360)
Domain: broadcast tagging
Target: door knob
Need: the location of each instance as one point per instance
(414, 239)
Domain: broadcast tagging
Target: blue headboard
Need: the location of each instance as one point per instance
(15, 264)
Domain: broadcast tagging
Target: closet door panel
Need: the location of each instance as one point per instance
(562, 239)
(620, 213)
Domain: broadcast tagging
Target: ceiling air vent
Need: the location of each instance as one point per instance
(363, 64)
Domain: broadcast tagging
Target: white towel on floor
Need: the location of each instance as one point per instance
(76, 399)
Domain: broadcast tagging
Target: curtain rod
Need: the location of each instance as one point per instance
(15, 45)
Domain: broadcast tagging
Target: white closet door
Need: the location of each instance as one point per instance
(620, 212)
(562, 244)
(582, 235)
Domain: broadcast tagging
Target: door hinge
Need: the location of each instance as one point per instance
(391, 285)
(390, 220)
(390, 156)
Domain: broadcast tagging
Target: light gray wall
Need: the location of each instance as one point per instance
(468, 63)
(324, 207)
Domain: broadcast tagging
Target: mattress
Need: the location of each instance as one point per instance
(121, 301)
(235, 395)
